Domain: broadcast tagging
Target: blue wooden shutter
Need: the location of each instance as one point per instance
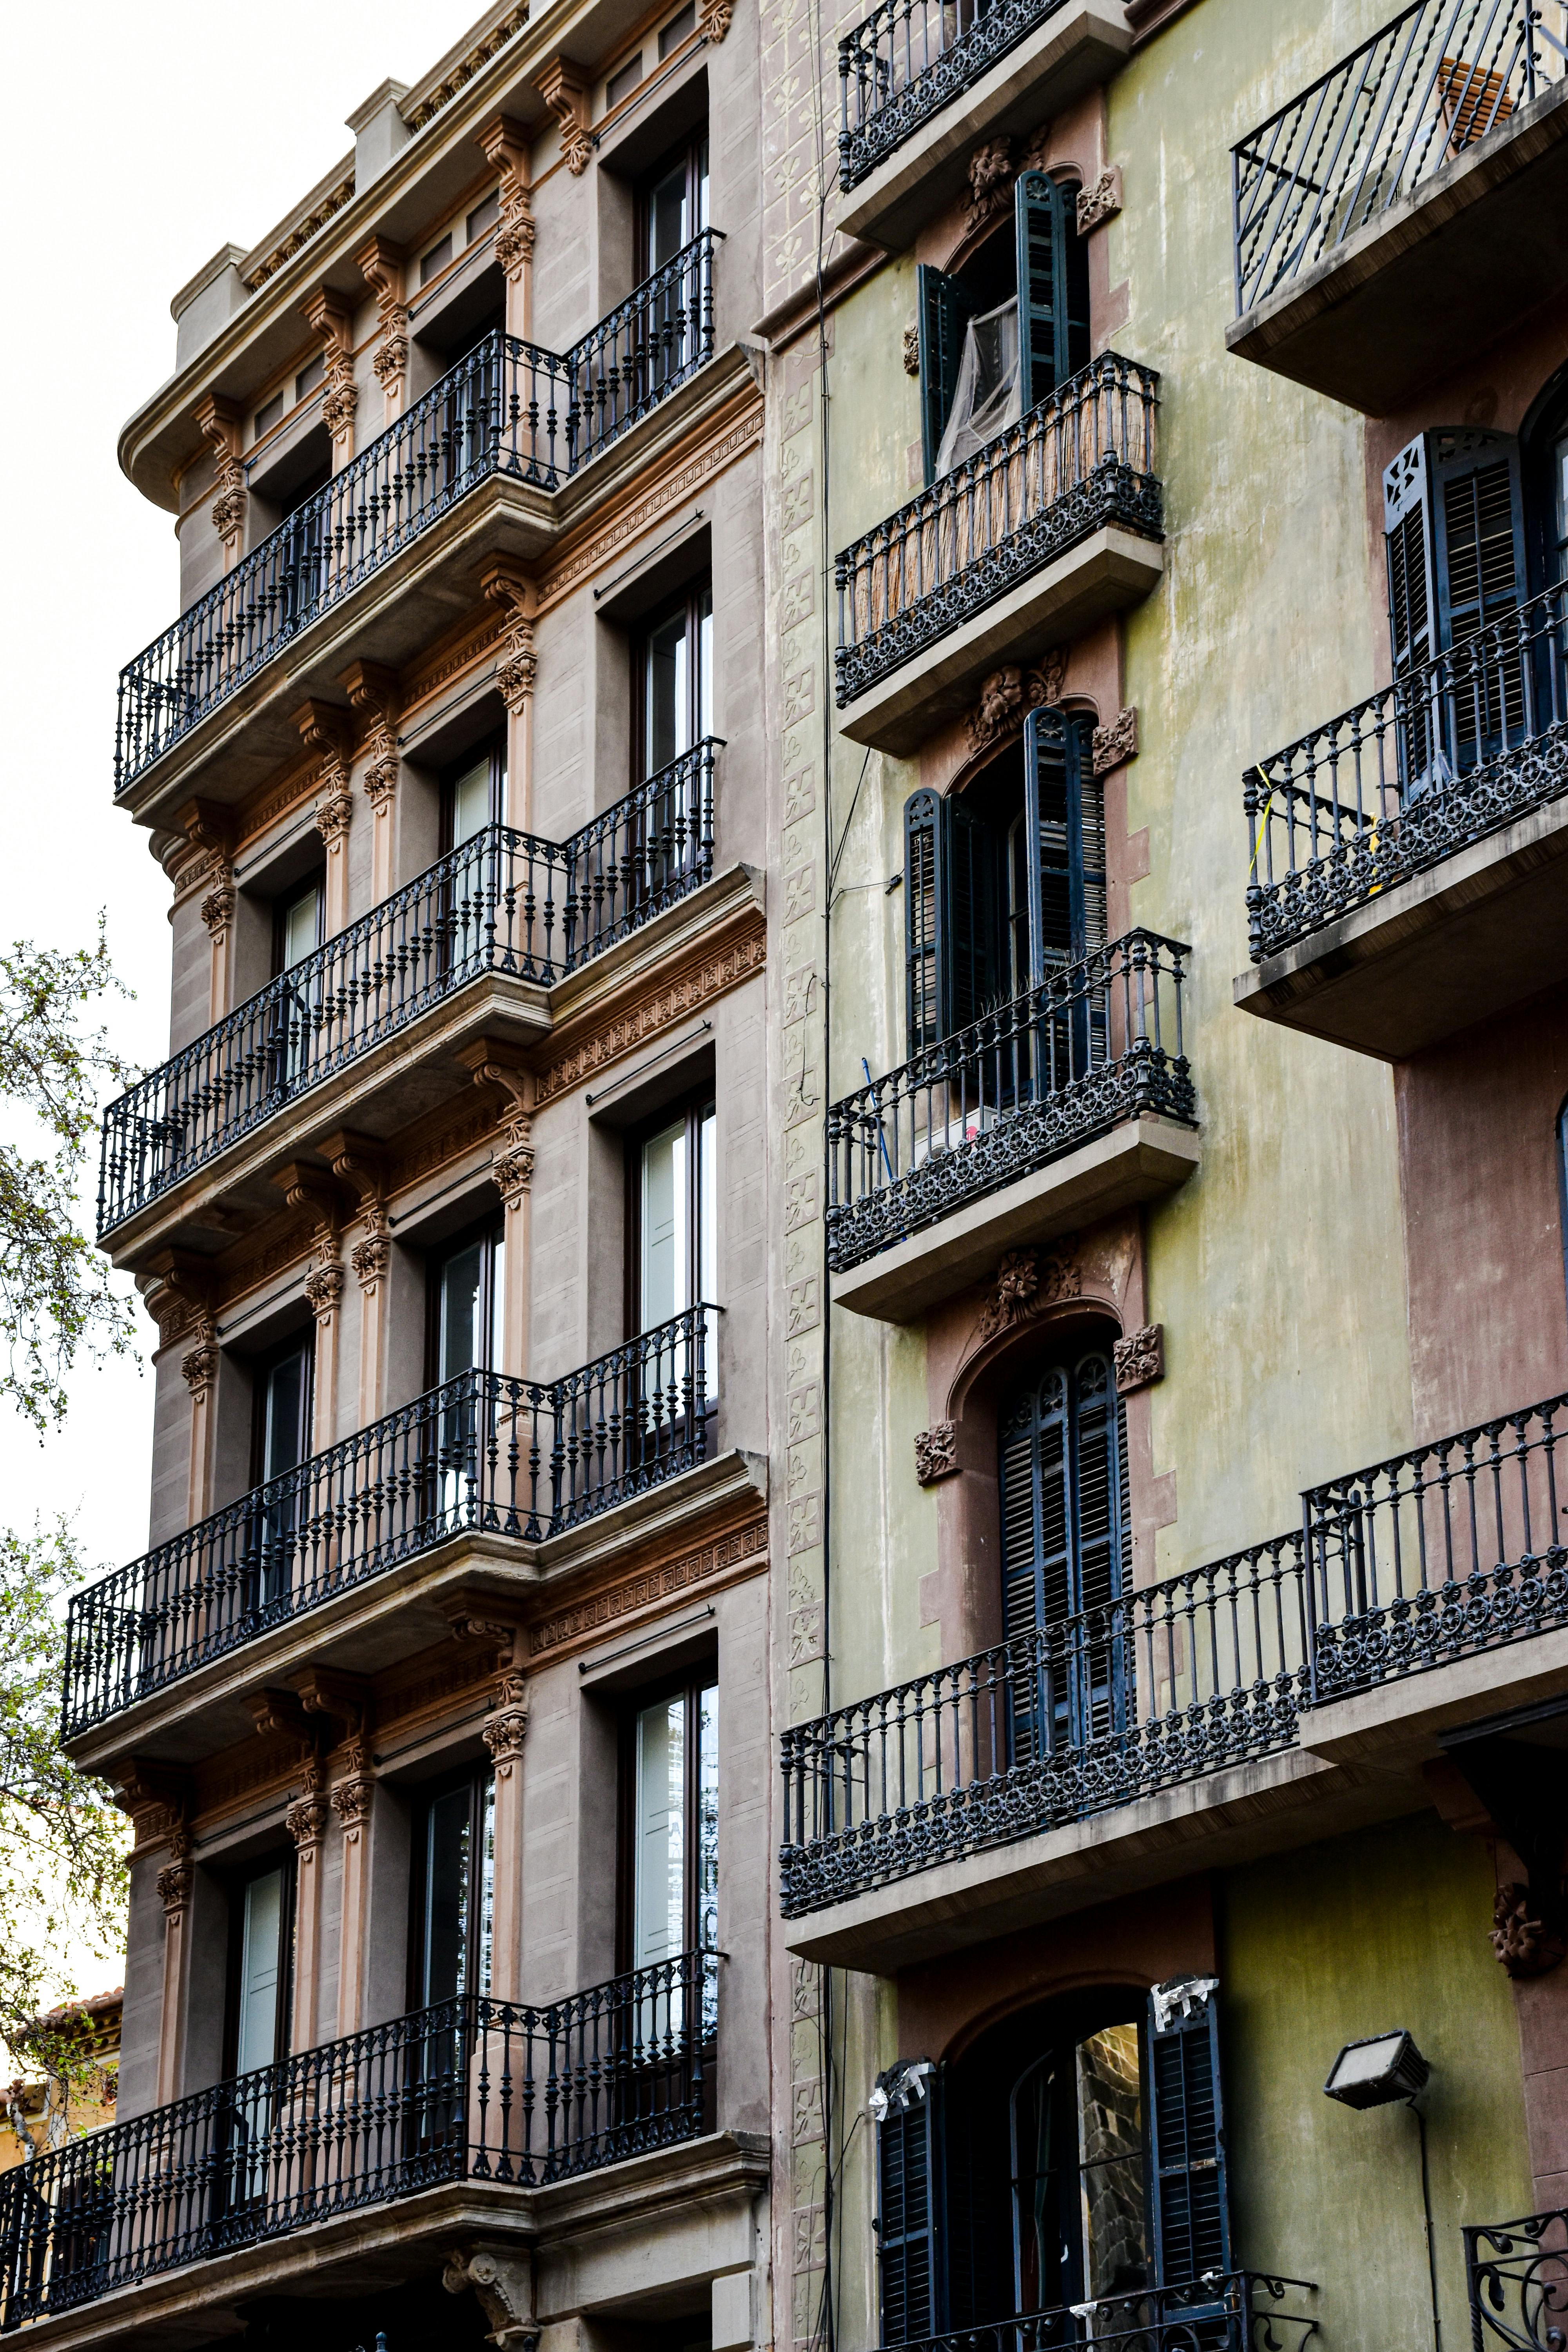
(909, 2258)
(1053, 285)
(1479, 513)
(1454, 530)
(943, 307)
(949, 941)
(924, 826)
(970, 924)
(1189, 2192)
(1064, 803)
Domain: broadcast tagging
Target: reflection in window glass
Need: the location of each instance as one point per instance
(261, 1960)
(1560, 464)
(468, 1306)
(679, 689)
(472, 800)
(675, 1892)
(300, 926)
(1110, 2161)
(454, 1933)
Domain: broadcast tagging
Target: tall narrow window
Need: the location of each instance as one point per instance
(674, 671)
(454, 1891)
(674, 1825)
(297, 927)
(260, 1966)
(466, 1303)
(672, 205)
(297, 924)
(282, 1410)
(674, 1221)
(473, 792)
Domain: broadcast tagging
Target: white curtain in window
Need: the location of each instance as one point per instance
(985, 400)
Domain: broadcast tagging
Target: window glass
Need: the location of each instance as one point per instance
(285, 1411)
(468, 1306)
(675, 207)
(675, 1827)
(454, 1930)
(1560, 475)
(664, 1274)
(671, 35)
(300, 926)
(436, 259)
(472, 794)
(707, 1818)
(1111, 2162)
(261, 1962)
(677, 682)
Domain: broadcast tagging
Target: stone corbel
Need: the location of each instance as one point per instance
(936, 1452)
(176, 1296)
(374, 692)
(991, 172)
(502, 2279)
(563, 86)
(360, 1162)
(313, 1189)
(1006, 697)
(714, 18)
(1103, 202)
(210, 830)
(507, 584)
(330, 317)
(324, 730)
(505, 147)
(496, 1062)
(1117, 742)
(481, 1617)
(155, 1795)
(218, 422)
(1139, 1358)
(380, 264)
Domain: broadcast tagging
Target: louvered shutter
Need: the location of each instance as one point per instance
(1065, 801)
(943, 307)
(1100, 1493)
(1053, 285)
(1407, 542)
(909, 2214)
(950, 932)
(1189, 2192)
(1480, 515)
(924, 826)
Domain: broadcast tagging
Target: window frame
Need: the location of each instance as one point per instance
(689, 1685)
(693, 1107)
(477, 1777)
(286, 899)
(237, 1880)
(491, 1230)
(491, 746)
(692, 150)
(262, 1367)
(686, 602)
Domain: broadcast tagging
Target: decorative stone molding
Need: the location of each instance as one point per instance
(506, 585)
(714, 18)
(504, 2285)
(177, 1297)
(1027, 1282)
(563, 86)
(505, 1731)
(178, 1874)
(912, 351)
(218, 906)
(302, 231)
(991, 172)
(1139, 1358)
(351, 1801)
(380, 264)
(504, 145)
(330, 317)
(218, 421)
(210, 832)
(936, 1452)
(1103, 202)
(710, 974)
(1523, 1943)
(371, 1258)
(1007, 696)
(374, 690)
(199, 1366)
(1116, 743)
(743, 1548)
(325, 1290)
(324, 730)
(473, 61)
(491, 1062)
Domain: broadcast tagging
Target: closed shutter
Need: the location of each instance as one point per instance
(1186, 2139)
(1454, 530)
(950, 932)
(923, 829)
(943, 308)
(1053, 286)
(1067, 800)
(909, 2213)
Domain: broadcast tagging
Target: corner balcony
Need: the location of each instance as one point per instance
(506, 917)
(483, 1456)
(1517, 2274)
(1406, 860)
(921, 80)
(1050, 526)
(1224, 2311)
(481, 2110)
(1262, 1701)
(478, 466)
(1071, 1102)
(1407, 206)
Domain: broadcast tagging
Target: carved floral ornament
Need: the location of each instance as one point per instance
(912, 350)
(1027, 1282)
(374, 692)
(1139, 1358)
(219, 424)
(329, 316)
(995, 165)
(936, 1452)
(714, 18)
(324, 730)
(380, 265)
(1007, 696)
(504, 145)
(563, 86)
(1524, 1943)
(509, 588)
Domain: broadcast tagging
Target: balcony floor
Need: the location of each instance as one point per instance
(1436, 278)
(1485, 929)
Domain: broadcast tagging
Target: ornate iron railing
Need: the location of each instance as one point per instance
(472, 2089)
(1159, 1686)
(516, 1457)
(1443, 76)
(1094, 1044)
(1081, 459)
(1225, 2311)
(504, 902)
(507, 407)
(1452, 751)
(1518, 2277)
(911, 58)
(1452, 1548)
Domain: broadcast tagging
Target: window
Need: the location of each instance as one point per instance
(673, 1806)
(672, 205)
(983, 920)
(297, 924)
(466, 1295)
(679, 29)
(998, 336)
(484, 216)
(623, 81)
(1074, 2154)
(431, 263)
(673, 669)
(674, 1255)
(453, 1885)
(297, 927)
(281, 1408)
(261, 1933)
(473, 794)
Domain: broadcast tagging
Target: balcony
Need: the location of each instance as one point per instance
(508, 413)
(1049, 528)
(484, 1454)
(1517, 2272)
(1072, 1101)
(473, 2091)
(921, 80)
(504, 906)
(1226, 2311)
(1406, 860)
(1407, 206)
(1274, 1677)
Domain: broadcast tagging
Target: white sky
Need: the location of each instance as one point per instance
(159, 134)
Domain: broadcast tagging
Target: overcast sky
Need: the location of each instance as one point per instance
(138, 141)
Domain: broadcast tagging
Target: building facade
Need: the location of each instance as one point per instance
(766, 1704)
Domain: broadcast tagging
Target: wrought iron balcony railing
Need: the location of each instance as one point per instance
(1224, 2311)
(1518, 2277)
(514, 1457)
(1453, 1547)
(1093, 1044)
(1081, 459)
(473, 2089)
(1443, 76)
(911, 58)
(1159, 1686)
(509, 407)
(503, 902)
(1450, 1550)
(1453, 751)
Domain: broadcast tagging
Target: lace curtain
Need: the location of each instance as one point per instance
(985, 400)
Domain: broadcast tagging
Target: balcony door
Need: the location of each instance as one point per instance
(282, 1406)
(670, 1896)
(471, 916)
(466, 1281)
(298, 928)
(673, 1223)
(450, 1948)
(261, 1990)
(672, 670)
(1065, 1543)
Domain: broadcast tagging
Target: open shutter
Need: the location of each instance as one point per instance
(1408, 541)
(1479, 516)
(909, 2256)
(1064, 802)
(924, 828)
(950, 933)
(1189, 2192)
(970, 880)
(1053, 285)
(943, 307)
